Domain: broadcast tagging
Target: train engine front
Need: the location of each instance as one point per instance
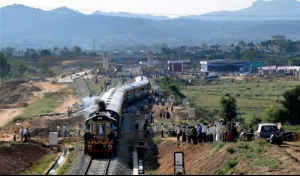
(100, 133)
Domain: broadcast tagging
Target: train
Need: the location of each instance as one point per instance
(102, 127)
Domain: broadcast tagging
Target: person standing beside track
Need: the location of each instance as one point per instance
(58, 130)
(25, 133)
(79, 128)
(21, 133)
(178, 130)
(162, 128)
(65, 130)
(68, 111)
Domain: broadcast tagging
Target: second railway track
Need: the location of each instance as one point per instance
(82, 88)
(97, 166)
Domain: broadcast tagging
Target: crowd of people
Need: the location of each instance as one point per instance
(202, 133)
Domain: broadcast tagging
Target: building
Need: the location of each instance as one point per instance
(179, 66)
(257, 64)
(225, 66)
(278, 38)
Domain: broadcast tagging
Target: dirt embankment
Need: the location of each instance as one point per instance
(202, 160)
(16, 91)
(16, 157)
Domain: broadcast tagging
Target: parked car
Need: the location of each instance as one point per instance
(264, 130)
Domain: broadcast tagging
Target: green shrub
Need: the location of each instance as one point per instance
(230, 150)
(229, 165)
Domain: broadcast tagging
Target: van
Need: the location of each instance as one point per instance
(264, 130)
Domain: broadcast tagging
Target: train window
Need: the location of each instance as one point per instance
(101, 130)
(88, 127)
(113, 126)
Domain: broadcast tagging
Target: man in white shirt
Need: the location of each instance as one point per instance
(178, 129)
(58, 130)
(218, 131)
(21, 133)
(213, 132)
(155, 128)
(208, 133)
(65, 130)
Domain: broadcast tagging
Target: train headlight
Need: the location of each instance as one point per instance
(109, 146)
(90, 146)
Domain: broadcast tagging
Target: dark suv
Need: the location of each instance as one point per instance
(264, 130)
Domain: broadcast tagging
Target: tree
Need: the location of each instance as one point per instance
(291, 103)
(31, 70)
(77, 49)
(266, 43)
(46, 63)
(289, 46)
(21, 68)
(237, 52)
(210, 57)
(4, 67)
(228, 108)
(9, 51)
(294, 62)
(269, 114)
(45, 52)
(34, 56)
(250, 55)
(242, 43)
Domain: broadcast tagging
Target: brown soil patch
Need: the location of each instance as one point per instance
(13, 91)
(21, 105)
(200, 160)
(4, 107)
(17, 157)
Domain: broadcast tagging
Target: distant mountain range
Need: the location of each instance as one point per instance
(26, 27)
(260, 10)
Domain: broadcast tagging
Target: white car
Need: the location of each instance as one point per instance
(264, 130)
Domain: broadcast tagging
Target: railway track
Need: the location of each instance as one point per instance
(82, 88)
(97, 166)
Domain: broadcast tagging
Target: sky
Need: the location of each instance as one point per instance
(170, 8)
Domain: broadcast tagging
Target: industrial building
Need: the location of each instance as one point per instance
(179, 66)
(225, 66)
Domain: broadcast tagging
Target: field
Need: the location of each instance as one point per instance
(253, 94)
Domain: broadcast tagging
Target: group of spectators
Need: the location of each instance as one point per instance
(217, 131)
(24, 135)
(64, 130)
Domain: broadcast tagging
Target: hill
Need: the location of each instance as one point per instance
(260, 10)
(24, 27)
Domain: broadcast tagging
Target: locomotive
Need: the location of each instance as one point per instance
(103, 125)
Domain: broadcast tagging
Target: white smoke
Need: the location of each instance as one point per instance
(90, 104)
